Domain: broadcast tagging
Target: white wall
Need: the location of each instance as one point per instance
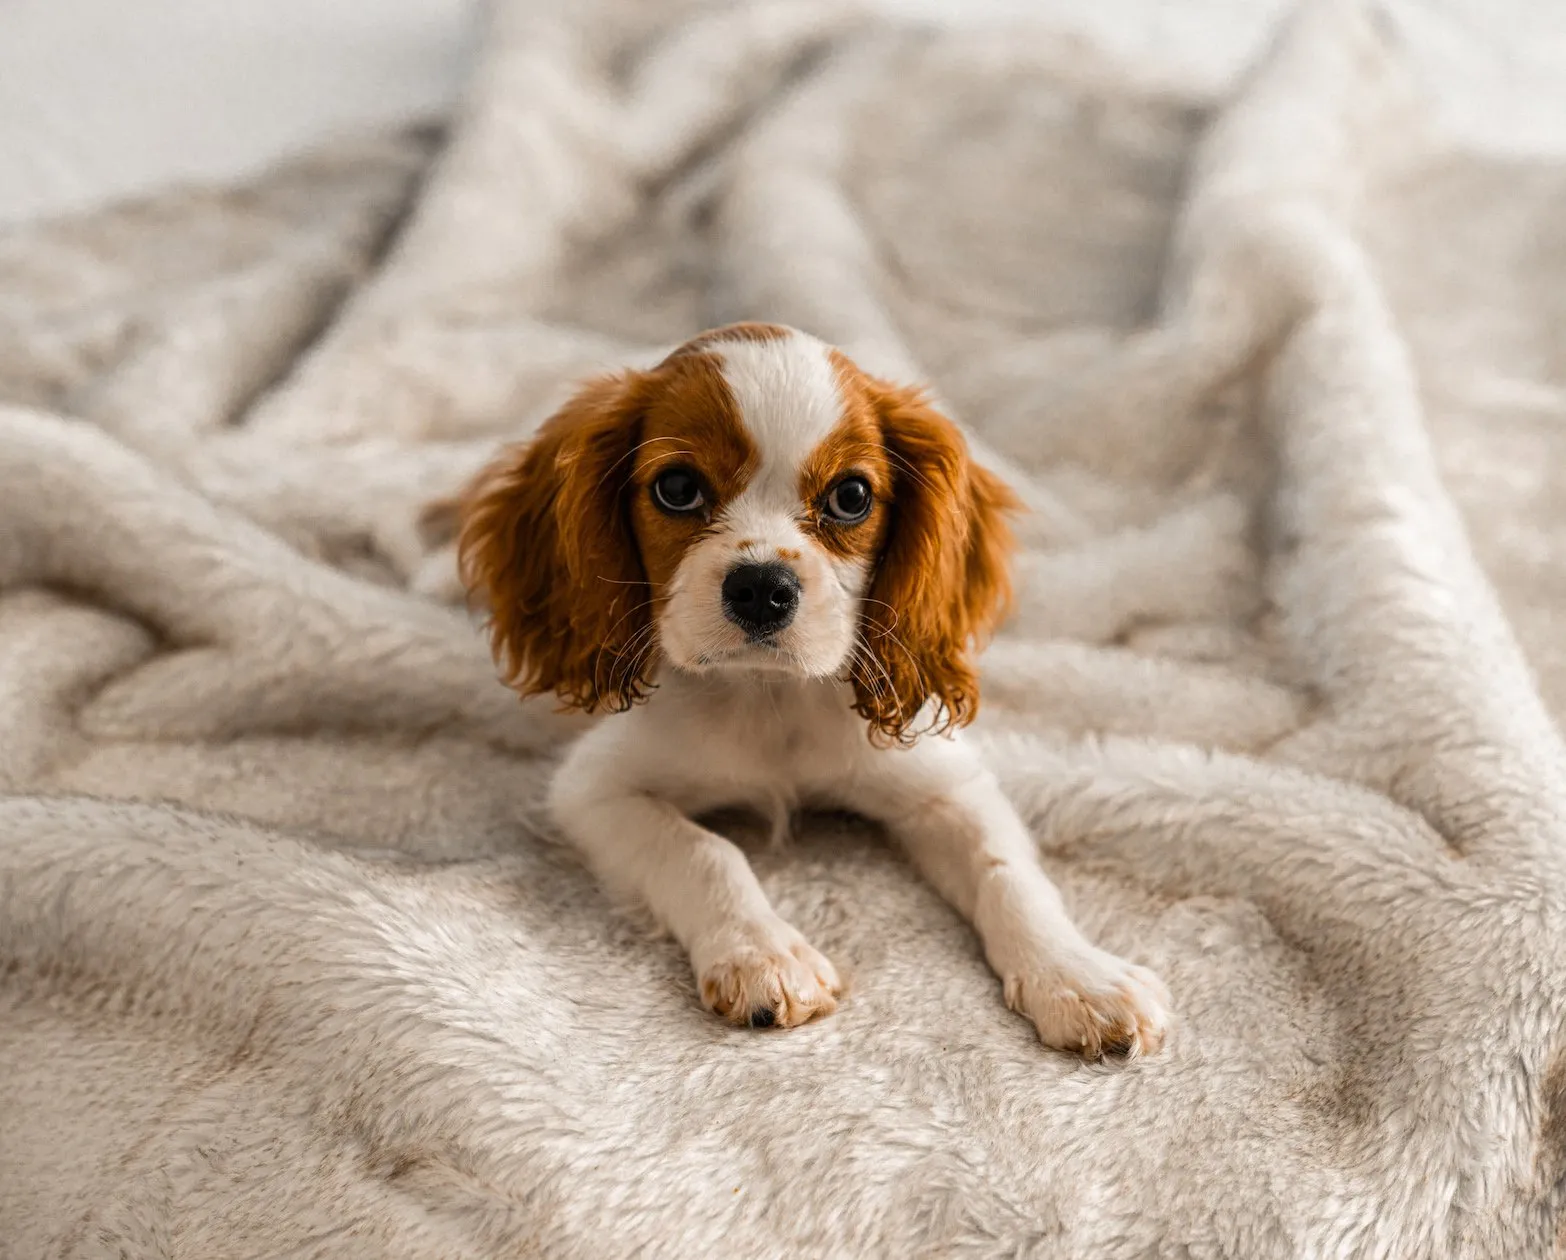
(102, 99)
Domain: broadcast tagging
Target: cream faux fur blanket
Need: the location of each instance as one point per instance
(285, 966)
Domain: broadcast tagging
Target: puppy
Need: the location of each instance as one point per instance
(772, 568)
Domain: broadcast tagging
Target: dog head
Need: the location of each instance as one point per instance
(754, 502)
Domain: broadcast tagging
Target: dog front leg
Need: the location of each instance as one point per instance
(752, 966)
(956, 825)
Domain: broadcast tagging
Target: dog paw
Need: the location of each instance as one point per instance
(766, 977)
(1096, 1005)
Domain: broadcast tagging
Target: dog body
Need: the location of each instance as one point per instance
(771, 567)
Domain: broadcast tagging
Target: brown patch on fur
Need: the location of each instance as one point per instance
(691, 421)
(561, 540)
(942, 579)
(854, 446)
(546, 547)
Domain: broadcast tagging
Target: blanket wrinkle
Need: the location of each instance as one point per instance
(289, 964)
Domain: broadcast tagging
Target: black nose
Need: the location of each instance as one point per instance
(761, 598)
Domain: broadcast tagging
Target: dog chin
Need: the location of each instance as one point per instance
(773, 659)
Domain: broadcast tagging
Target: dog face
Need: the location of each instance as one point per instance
(755, 502)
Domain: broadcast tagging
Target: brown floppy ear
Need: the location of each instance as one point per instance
(546, 546)
(942, 581)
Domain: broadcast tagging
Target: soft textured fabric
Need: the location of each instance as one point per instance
(286, 964)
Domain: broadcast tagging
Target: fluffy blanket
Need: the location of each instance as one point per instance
(287, 966)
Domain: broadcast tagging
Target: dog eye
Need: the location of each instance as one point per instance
(677, 490)
(849, 501)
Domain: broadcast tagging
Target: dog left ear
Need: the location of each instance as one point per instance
(547, 548)
(943, 579)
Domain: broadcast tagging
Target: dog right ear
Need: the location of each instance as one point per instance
(545, 547)
(943, 580)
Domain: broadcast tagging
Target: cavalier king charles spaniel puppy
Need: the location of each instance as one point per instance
(771, 569)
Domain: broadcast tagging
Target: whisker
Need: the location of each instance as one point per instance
(911, 469)
(887, 687)
(863, 662)
(610, 471)
(630, 612)
(632, 661)
(609, 637)
(912, 659)
(865, 654)
(627, 658)
(919, 476)
(896, 616)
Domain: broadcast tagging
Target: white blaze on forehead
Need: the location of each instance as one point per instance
(786, 392)
(788, 398)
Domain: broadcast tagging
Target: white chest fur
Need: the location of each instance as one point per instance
(755, 740)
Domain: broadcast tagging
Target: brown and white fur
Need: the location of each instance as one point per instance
(848, 693)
